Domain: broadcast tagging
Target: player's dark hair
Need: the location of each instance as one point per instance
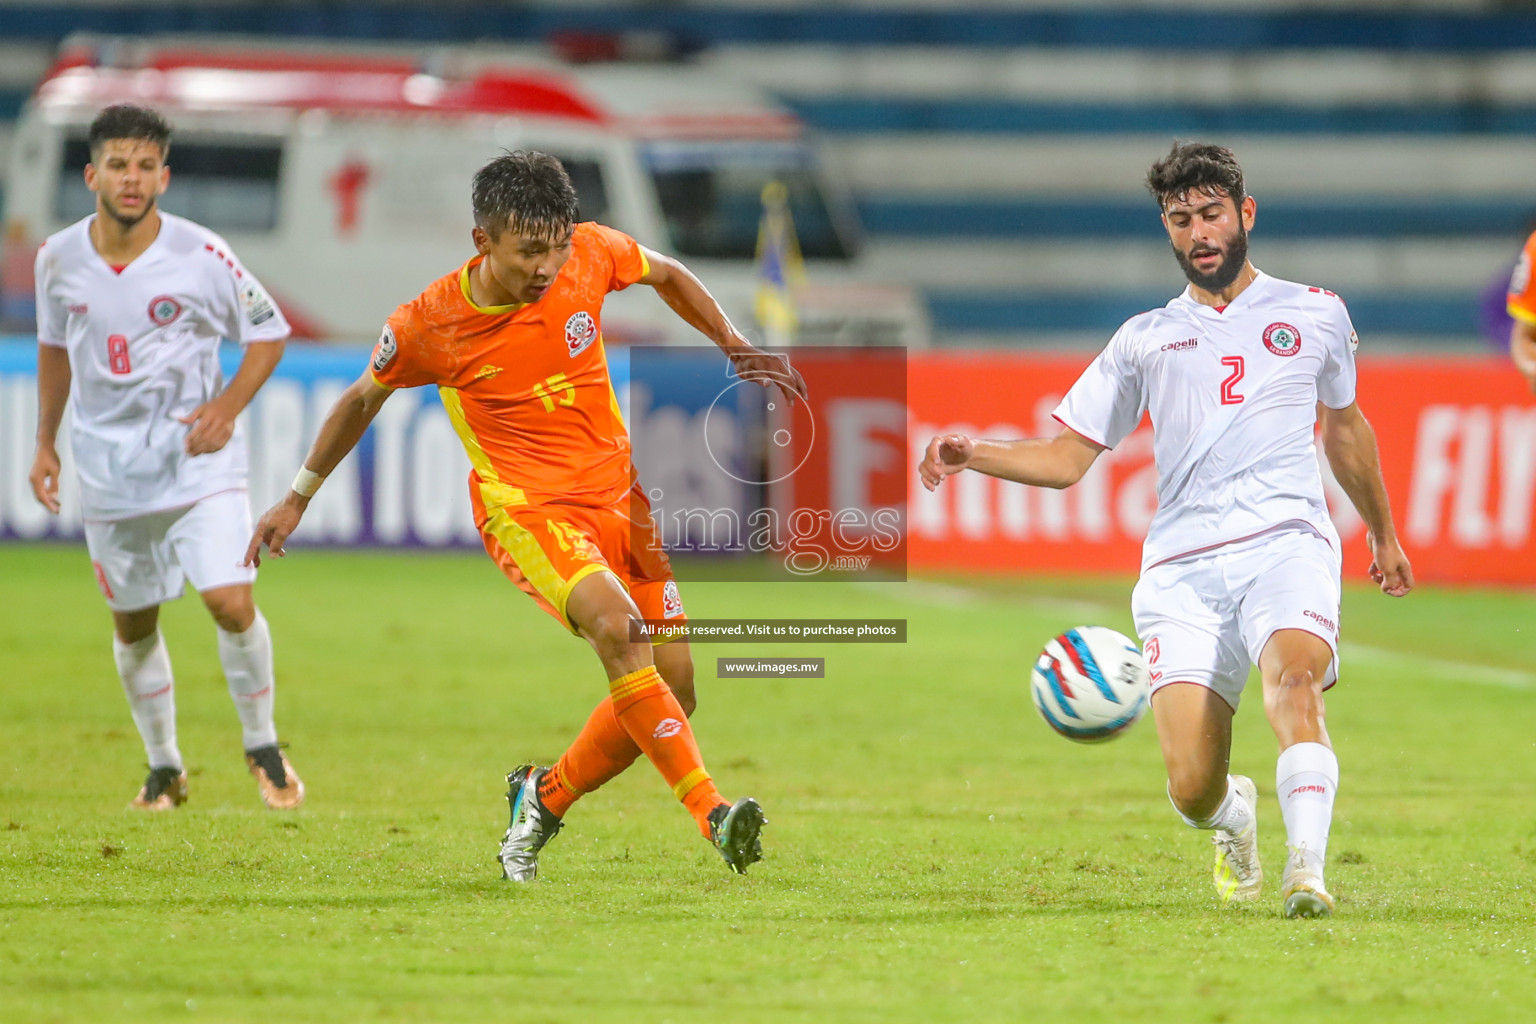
(126, 121)
(527, 191)
(1195, 167)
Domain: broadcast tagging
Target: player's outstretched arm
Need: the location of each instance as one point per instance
(344, 426)
(1350, 446)
(213, 422)
(1058, 461)
(1522, 349)
(689, 299)
(53, 377)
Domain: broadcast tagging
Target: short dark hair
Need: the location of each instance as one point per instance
(525, 190)
(1195, 167)
(126, 121)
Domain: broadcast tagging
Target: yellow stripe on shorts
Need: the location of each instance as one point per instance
(535, 564)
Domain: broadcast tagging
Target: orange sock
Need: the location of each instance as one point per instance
(600, 752)
(654, 719)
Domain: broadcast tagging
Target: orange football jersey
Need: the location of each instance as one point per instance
(1522, 289)
(526, 386)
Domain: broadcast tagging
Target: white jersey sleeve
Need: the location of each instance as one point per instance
(1336, 379)
(52, 316)
(239, 306)
(1109, 399)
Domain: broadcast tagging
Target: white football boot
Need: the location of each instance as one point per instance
(1238, 874)
(1303, 890)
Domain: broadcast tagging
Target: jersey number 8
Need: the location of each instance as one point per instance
(117, 354)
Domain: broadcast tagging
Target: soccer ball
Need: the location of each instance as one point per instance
(1091, 684)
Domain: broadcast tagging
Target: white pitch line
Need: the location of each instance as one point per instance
(948, 595)
(1441, 669)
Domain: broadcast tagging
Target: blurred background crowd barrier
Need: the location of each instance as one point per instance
(990, 156)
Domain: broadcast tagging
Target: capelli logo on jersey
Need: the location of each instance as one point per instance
(580, 332)
(163, 309)
(667, 727)
(1322, 620)
(1282, 339)
(1182, 346)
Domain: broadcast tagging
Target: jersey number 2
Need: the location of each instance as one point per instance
(117, 354)
(1228, 396)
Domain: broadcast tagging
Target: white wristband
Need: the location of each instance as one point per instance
(307, 482)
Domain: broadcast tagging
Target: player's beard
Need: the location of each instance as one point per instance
(1226, 272)
(129, 220)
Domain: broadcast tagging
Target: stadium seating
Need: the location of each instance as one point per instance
(996, 149)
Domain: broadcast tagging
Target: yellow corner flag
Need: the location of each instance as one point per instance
(779, 268)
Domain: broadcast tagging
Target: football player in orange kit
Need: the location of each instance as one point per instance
(1522, 309)
(513, 341)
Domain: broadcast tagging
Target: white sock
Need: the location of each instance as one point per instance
(247, 661)
(144, 666)
(1233, 815)
(1306, 779)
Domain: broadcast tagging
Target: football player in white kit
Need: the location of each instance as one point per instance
(1241, 562)
(131, 306)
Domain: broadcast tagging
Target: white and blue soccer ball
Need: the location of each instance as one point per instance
(1091, 684)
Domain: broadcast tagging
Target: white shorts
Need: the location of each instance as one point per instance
(147, 560)
(1205, 619)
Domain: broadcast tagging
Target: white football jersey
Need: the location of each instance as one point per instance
(1233, 398)
(143, 349)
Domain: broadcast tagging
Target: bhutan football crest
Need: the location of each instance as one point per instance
(671, 601)
(580, 332)
(384, 351)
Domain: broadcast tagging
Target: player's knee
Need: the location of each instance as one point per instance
(234, 610)
(1298, 694)
(1299, 685)
(609, 634)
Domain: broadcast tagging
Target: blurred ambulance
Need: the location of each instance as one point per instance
(342, 178)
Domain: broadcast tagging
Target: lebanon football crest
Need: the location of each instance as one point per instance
(1282, 339)
(163, 309)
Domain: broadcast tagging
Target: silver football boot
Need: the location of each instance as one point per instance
(736, 831)
(531, 827)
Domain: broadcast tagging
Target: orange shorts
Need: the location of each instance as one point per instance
(547, 549)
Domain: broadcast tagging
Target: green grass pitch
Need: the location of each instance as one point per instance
(935, 852)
